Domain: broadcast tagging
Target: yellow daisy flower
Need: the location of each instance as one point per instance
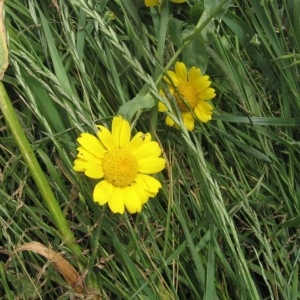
(191, 91)
(151, 3)
(123, 164)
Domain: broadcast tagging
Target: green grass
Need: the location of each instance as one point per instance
(225, 224)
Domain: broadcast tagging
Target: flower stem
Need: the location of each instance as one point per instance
(40, 179)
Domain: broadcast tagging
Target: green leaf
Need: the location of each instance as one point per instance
(45, 104)
(291, 223)
(265, 121)
(210, 5)
(3, 44)
(195, 54)
(139, 102)
(132, 11)
(60, 71)
(210, 292)
(23, 285)
(195, 12)
(3, 279)
(248, 150)
(175, 31)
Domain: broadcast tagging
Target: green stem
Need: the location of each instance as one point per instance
(36, 171)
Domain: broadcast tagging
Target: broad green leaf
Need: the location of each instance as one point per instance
(141, 101)
(210, 5)
(175, 31)
(194, 54)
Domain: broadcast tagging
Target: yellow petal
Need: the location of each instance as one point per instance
(208, 94)
(147, 149)
(91, 144)
(79, 165)
(106, 138)
(151, 3)
(146, 137)
(202, 112)
(188, 120)
(142, 194)
(138, 140)
(169, 121)
(178, 1)
(206, 105)
(198, 82)
(102, 192)
(148, 183)
(120, 132)
(173, 81)
(181, 72)
(202, 85)
(151, 165)
(131, 200)
(116, 201)
(86, 155)
(193, 75)
(161, 107)
(93, 169)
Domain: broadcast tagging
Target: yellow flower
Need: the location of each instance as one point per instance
(151, 3)
(123, 164)
(191, 91)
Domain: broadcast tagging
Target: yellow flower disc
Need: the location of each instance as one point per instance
(187, 92)
(119, 167)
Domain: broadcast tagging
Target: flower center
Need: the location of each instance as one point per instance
(120, 167)
(187, 92)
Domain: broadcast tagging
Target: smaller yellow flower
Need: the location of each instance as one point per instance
(125, 166)
(151, 3)
(191, 90)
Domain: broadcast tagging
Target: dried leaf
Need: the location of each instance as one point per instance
(62, 265)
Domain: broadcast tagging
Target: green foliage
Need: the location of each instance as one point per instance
(138, 103)
(3, 44)
(225, 224)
